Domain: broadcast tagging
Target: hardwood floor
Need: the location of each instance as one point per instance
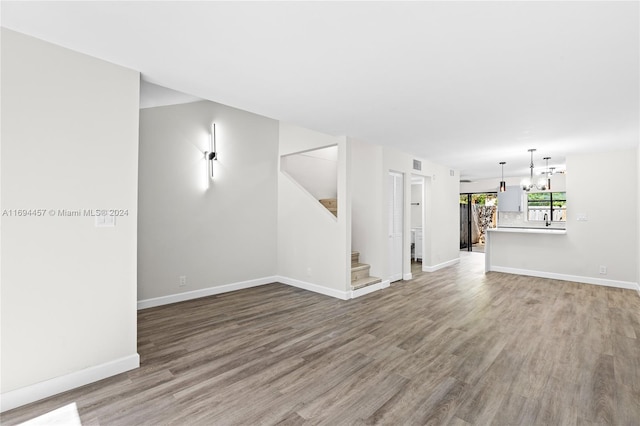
(453, 347)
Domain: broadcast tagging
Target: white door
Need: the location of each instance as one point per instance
(396, 213)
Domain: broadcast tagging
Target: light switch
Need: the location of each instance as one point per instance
(582, 217)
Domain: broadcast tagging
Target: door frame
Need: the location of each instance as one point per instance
(469, 219)
(421, 183)
(393, 275)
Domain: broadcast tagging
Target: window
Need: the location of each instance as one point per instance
(552, 204)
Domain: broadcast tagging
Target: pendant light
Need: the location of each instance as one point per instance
(548, 172)
(503, 184)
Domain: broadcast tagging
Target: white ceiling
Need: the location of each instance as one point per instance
(465, 84)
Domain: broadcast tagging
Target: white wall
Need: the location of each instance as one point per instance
(69, 141)
(214, 232)
(441, 229)
(444, 208)
(368, 211)
(602, 186)
(316, 171)
(313, 245)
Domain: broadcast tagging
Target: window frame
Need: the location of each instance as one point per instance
(548, 205)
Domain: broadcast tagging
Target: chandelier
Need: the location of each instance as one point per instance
(542, 184)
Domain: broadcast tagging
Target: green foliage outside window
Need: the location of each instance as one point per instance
(481, 199)
(551, 201)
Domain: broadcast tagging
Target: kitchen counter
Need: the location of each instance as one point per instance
(552, 231)
(513, 243)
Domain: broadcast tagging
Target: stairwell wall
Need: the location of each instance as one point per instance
(316, 171)
(313, 245)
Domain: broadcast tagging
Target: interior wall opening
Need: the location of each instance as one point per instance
(417, 221)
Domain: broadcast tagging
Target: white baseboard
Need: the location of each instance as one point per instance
(565, 277)
(343, 295)
(195, 294)
(434, 268)
(407, 276)
(181, 297)
(369, 289)
(28, 394)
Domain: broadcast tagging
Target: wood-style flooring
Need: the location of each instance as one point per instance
(453, 347)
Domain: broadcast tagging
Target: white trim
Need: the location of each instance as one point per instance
(196, 294)
(369, 289)
(434, 268)
(394, 278)
(28, 394)
(407, 276)
(564, 277)
(343, 295)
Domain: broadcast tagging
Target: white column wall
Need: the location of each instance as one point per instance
(369, 234)
(69, 142)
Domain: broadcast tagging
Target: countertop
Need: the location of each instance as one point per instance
(530, 230)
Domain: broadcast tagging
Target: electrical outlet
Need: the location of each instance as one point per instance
(603, 270)
(182, 281)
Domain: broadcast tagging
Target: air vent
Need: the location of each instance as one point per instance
(417, 165)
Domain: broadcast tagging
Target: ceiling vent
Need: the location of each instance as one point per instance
(417, 165)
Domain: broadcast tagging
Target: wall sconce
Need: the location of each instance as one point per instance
(212, 154)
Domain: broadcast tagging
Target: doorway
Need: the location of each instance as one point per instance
(478, 212)
(396, 224)
(417, 219)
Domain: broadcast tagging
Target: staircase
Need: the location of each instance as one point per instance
(331, 204)
(360, 273)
